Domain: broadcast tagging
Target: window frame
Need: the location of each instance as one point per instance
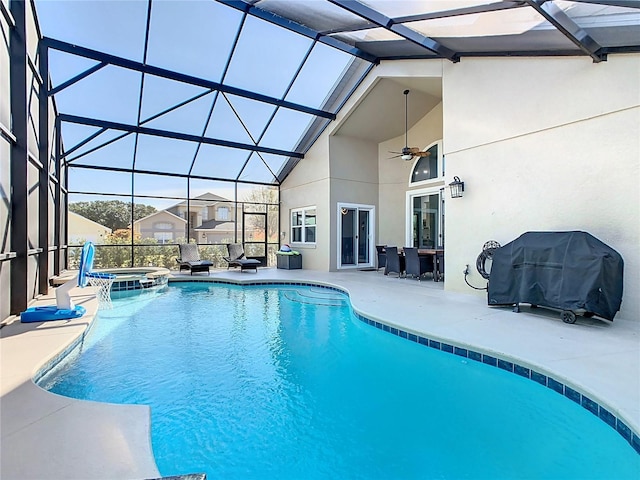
(223, 218)
(426, 191)
(163, 236)
(440, 167)
(303, 225)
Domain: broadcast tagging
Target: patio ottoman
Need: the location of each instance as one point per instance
(289, 260)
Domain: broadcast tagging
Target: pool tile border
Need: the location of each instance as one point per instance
(58, 357)
(586, 402)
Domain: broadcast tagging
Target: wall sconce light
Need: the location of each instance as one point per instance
(457, 187)
(344, 211)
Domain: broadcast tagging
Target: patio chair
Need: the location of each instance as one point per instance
(416, 266)
(438, 270)
(394, 262)
(236, 258)
(382, 256)
(190, 259)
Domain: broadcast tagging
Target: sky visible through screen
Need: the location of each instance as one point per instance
(195, 38)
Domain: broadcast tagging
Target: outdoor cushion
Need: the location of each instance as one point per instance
(190, 259)
(236, 258)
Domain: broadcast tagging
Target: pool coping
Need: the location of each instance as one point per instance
(131, 423)
(150, 272)
(45, 435)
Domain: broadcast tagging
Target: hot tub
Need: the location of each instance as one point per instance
(137, 278)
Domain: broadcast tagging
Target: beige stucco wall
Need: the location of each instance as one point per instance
(223, 233)
(145, 227)
(324, 180)
(308, 185)
(354, 179)
(395, 174)
(543, 144)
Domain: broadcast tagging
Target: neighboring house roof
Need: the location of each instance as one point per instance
(201, 200)
(213, 224)
(211, 196)
(88, 220)
(166, 212)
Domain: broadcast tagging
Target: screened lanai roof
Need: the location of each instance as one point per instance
(235, 90)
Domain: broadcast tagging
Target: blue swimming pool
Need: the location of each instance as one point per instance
(286, 382)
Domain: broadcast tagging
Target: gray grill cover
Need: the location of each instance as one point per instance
(565, 270)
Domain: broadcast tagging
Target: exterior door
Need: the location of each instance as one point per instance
(355, 241)
(254, 235)
(426, 228)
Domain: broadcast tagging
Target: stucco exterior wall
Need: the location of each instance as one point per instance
(308, 185)
(543, 145)
(146, 227)
(354, 179)
(395, 174)
(317, 180)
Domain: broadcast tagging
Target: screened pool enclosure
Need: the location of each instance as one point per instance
(139, 125)
(172, 138)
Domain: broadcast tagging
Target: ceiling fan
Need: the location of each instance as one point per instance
(408, 153)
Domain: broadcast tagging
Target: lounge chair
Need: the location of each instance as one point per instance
(236, 258)
(190, 259)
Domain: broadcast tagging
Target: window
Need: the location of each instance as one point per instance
(223, 213)
(163, 237)
(426, 168)
(426, 221)
(303, 225)
(163, 226)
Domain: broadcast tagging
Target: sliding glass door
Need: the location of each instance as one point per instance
(426, 228)
(355, 239)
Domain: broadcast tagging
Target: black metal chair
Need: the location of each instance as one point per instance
(382, 256)
(237, 258)
(190, 259)
(438, 271)
(393, 264)
(416, 266)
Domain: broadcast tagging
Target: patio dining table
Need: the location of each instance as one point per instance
(437, 256)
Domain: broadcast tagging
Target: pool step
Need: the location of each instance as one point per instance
(316, 297)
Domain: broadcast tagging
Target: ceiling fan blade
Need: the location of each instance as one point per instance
(422, 154)
(395, 156)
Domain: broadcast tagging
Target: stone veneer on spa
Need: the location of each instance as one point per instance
(491, 360)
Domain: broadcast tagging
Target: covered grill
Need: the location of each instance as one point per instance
(565, 270)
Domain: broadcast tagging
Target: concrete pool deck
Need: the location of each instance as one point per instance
(46, 436)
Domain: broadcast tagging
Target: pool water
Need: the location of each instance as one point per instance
(285, 382)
